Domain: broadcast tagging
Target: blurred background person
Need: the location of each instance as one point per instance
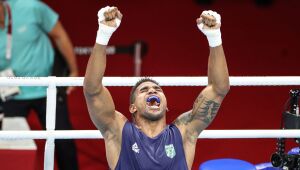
(26, 30)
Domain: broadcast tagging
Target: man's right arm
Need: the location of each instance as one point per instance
(99, 101)
(101, 106)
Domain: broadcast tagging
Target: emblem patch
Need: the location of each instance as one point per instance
(135, 148)
(170, 151)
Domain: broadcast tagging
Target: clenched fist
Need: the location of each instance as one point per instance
(209, 23)
(110, 16)
(109, 19)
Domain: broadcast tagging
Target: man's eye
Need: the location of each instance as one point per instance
(158, 89)
(143, 90)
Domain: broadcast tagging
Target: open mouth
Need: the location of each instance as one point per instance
(153, 102)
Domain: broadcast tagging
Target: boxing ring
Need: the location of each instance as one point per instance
(50, 134)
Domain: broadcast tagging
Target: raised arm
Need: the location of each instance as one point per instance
(209, 100)
(99, 101)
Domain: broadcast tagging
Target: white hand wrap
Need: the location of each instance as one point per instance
(213, 35)
(104, 32)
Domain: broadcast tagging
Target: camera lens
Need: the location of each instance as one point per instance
(276, 160)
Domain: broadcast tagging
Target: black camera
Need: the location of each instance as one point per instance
(290, 161)
(290, 120)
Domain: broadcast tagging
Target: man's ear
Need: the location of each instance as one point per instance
(132, 108)
(167, 109)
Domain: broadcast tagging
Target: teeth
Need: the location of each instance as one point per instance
(154, 107)
(153, 104)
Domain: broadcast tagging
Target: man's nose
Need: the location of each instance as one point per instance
(151, 91)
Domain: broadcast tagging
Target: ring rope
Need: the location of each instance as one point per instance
(95, 134)
(163, 81)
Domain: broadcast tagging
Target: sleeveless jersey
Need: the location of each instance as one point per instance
(140, 152)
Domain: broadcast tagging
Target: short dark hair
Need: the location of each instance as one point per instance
(142, 80)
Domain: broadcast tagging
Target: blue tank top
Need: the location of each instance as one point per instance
(140, 152)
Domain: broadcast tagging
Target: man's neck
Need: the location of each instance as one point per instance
(2, 15)
(151, 128)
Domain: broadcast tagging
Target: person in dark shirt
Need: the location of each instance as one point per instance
(148, 142)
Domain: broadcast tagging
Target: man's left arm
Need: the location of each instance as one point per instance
(64, 45)
(209, 100)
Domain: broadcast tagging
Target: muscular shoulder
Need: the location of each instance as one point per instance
(204, 110)
(113, 141)
(114, 128)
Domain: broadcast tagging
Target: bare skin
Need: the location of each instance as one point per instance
(140, 109)
(110, 122)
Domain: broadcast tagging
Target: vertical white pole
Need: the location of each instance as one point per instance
(137, 59)
(50, 124)
(49, 154)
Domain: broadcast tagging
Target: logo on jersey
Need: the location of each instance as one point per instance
(135, 148)
(170, 151)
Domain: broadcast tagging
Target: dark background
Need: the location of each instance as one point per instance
(259, 40)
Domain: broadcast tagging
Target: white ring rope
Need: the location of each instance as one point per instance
(163, 81)
(95, 134)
